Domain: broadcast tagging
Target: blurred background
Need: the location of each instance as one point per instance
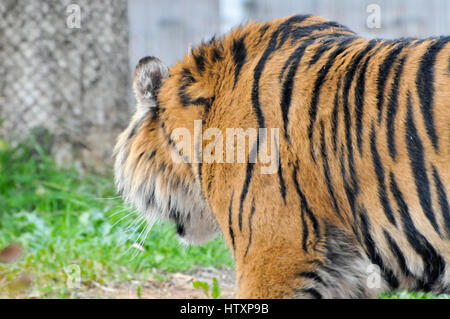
(65, 94)
(166, 28)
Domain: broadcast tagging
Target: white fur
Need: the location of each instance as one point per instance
(171, 193)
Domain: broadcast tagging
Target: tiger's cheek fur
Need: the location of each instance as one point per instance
(158, 188)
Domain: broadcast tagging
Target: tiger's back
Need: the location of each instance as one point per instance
(363, 178)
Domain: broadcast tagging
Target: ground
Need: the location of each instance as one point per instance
(177, 286)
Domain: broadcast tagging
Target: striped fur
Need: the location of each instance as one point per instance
(364, 174)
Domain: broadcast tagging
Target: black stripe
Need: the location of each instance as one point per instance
(248, 177)
(305, 205)
(305, 229)
(163, 168)
(448, 68)
(383, 73)
(315, 262)
(398, 254)
(313, 276)
(392, 109)
(152, 154)
(209, 182)
(135, 128)
(325, 47)
(208, 105)
(171, 143)
(305, 31)
(379, 171)
(217, 54)
(250, 228)
(186, 80)
(239, 53)
(326, 171)
(433, 263)
(205, 101)
(186, 77)
(280, 175)
(417, 162)
(359, 104)
(263, 31)
(151, 199)
(199, 60)
(199, 157)
(442, 198)
(139, 158)
(343, 45)
(335, 116)
(350, 194)
(372, 250)
(313, 292)
(425, 86)
(230, 221)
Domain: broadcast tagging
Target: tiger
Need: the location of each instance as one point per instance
(358, 204)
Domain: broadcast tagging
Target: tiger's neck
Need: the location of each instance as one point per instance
(216, 64)
(215, 67)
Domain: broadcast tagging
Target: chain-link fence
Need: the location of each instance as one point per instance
(69, 79)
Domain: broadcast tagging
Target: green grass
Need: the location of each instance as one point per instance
(412, 295)
(69, 222)
(66, 219)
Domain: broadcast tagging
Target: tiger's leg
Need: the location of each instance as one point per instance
(273, 272)
(268, 249)
(333, 267)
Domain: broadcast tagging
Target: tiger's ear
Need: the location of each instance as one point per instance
(148, 78)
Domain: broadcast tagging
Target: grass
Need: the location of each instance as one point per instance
(73, 225)
(412, 295)
(70, 222)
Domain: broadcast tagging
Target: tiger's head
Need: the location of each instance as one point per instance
(145, 173)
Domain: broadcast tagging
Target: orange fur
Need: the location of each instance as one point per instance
(342, 176)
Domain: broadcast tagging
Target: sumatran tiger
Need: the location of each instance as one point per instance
(358, 131)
